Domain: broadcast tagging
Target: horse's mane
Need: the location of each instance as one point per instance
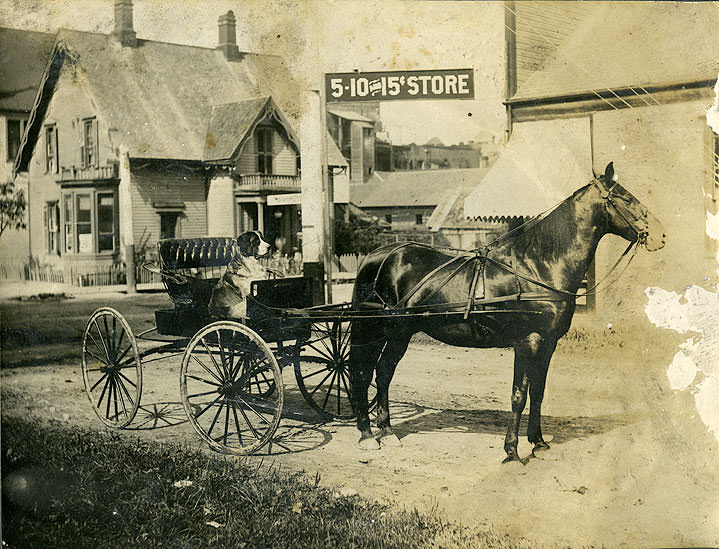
(551, 236)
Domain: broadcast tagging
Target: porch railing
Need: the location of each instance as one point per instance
(271, 182)
(74, 173)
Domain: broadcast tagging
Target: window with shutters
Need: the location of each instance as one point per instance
(51, 153)
(263, 139)
(89, 143)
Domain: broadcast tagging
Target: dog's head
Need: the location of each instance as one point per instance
(252, 244)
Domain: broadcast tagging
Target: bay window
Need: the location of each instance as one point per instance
(90, 221)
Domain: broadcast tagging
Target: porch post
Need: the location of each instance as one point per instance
(127, 229)
(260, 216)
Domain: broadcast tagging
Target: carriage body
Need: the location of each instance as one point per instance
(191, 268)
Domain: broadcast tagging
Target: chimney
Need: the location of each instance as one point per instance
(124, 33)
(228, 42)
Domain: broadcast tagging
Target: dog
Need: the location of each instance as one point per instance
(229, 297)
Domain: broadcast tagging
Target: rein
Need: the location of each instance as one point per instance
(481, 256)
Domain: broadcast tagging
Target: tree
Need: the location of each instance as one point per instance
(355, 238)
(12, 207)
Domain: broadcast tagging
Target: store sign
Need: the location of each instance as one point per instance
(284, 199)
(399, 85)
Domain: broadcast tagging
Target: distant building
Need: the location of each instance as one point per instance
(407, 200)
(354, 134)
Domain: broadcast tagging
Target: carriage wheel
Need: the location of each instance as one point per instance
(111, 368)
(322, 372)
(231, 387)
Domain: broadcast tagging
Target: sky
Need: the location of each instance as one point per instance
(318, 36)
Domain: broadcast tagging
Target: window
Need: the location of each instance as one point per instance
(263, 137)
(15, 129)
(89, 143)
(89, 221)
(52, 227)
(51, 165)
(169, 225)
(418, 219)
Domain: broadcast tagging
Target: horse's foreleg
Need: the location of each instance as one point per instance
(525, 354)
(364, 353)
(537, 383)
(392, 353)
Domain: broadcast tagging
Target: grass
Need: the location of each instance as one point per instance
(75, 488)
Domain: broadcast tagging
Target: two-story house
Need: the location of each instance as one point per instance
(23, 56)
(133, 140)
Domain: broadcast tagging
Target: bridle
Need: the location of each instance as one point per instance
(609, 198)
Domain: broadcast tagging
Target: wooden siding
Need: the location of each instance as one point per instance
(284, 157)
(152, 187)
(220, 207)
(69, 105)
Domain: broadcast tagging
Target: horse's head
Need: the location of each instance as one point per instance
(626, 216)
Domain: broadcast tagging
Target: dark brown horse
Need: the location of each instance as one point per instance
(522, 287)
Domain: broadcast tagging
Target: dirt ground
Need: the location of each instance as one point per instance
(630, 463)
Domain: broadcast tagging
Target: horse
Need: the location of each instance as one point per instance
(518, 292)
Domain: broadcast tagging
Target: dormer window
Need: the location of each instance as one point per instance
(263, 138)
(51, 160)
(89, 143)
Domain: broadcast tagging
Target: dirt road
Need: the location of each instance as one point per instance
(630, 465)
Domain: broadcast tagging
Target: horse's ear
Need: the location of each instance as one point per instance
(609, 172)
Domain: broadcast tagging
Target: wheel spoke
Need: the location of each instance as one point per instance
(316, 372)
(99, 333)
(214, 420)
(110, 343)
(210, 405)
(119, 343)
(121, 356)
(98, 383)
(124, 389)
(119, 387)
(212, 357)
(227, 422)
(105, 360)
(114, 400)
(93, 355)
(253, 410)
(201, 394)
(225, 370)
(102, 394)
(202, 380)
(206, 369)
(237, 422)
(127, 379)
(249, 423)
(321, 383)
(109, 398)
(329, 391)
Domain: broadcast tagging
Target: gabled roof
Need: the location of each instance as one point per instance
(631, 44)
(414, 188)
(157, 96)
(23, 56)
(231, 124)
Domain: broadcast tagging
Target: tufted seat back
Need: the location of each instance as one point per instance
(194, 253)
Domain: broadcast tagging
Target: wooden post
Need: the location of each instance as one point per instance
(130, 269)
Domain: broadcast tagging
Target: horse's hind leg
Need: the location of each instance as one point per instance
(537, 383)
(526, 354)
(392, 353)
(365, 349)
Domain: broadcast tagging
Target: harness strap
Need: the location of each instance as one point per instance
(429, 275)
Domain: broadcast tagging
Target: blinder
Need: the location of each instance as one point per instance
(609, 198)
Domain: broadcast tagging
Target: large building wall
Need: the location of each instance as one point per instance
(284, 157)
(70, 104)
(221, 207)
(663, 155)
(155, 190)
(13, 243)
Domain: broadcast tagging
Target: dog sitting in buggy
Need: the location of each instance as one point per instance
(229, 296)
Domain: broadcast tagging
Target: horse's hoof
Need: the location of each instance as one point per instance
(539, 448)
(390, 440)
(513, 458)
(369, 443)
